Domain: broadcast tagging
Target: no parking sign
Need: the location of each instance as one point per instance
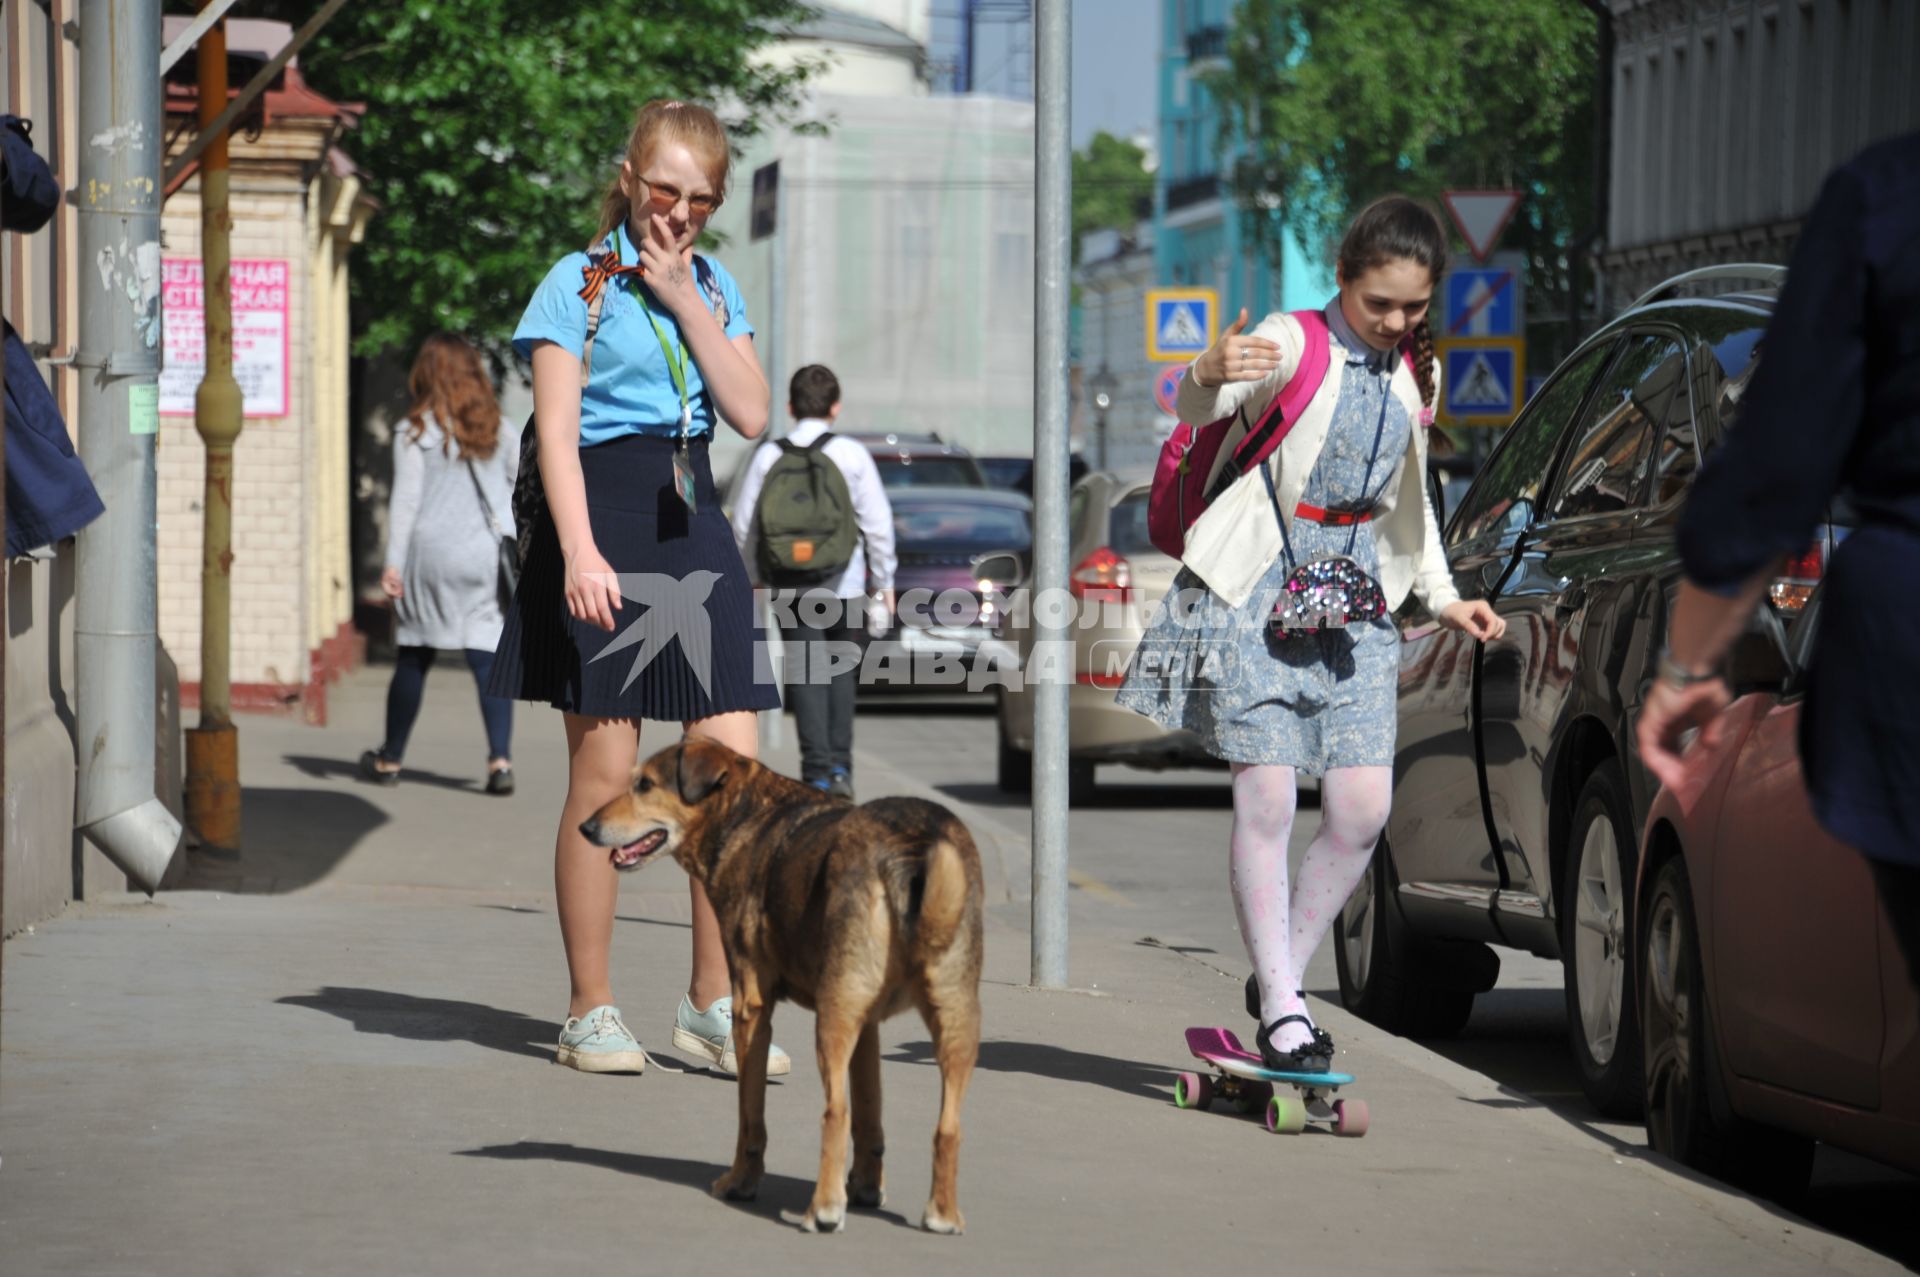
(1166, 387)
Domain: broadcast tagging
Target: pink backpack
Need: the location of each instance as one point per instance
(1181, 493)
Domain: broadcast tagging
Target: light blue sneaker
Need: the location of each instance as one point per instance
(598, 1042)
(709, 1035)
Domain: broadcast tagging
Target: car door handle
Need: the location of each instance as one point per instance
(1571, 599)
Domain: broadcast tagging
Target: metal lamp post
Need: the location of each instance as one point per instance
(1103, 385)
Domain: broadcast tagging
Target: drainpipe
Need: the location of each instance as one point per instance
(1592, 240)
(116, 609)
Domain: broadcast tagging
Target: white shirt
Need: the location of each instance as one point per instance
(870, 570)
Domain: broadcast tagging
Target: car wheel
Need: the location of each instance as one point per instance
(1080, 787)
(1014, 772)
(1595, 950)
(1380, 979)
(1688, 1117)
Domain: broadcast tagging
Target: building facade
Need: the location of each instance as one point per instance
(1199, 231)
(298, 209)
(1727, 114)
(901, 254)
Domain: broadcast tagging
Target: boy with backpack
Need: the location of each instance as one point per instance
(815, 525)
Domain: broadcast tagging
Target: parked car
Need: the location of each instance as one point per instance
(1776, 1008)
(1115, 567)
(1015, 474)
(943, 615)
(1518, 799)
(922, 461)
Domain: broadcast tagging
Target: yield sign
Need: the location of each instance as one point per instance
(1481, 217)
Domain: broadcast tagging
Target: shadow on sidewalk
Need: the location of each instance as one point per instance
(349, 769)
(401, 1015)
(783, 1192)
(1041, 1059)
(291, 839)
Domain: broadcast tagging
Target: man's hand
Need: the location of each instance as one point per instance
(1476, 619)
(1670, 713)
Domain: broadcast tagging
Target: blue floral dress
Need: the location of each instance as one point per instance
(1311, 703)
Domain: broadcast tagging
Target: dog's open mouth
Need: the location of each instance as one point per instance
(634, 854)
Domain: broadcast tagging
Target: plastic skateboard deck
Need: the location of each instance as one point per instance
(1240, 1075)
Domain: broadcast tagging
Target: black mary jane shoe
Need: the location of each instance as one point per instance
(370, 769)
(1315, 1056)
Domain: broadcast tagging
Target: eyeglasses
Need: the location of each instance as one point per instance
(662, 199)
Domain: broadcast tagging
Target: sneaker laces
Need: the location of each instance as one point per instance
(609, 1018)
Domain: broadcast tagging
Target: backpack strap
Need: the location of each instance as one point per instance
(594, 306)
(1271, 430)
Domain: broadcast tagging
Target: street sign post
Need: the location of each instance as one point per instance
(1486, 300)
(1166, 386)
(1484, 380)
(1181, 323)
(1481, 217)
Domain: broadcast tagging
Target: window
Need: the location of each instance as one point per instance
(1502, 499)
(1606, 466)
(1129, 525)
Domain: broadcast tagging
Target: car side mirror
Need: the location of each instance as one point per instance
(1758, 660)
(999, 570)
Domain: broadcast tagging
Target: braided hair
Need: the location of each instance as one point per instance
(1390, 229)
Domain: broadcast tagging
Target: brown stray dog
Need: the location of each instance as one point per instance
(855, 912)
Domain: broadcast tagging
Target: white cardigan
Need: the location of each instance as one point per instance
(1235, 541)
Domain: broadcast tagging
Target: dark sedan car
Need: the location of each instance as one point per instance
(1518, 800)
(1775, 1005)
(942, 614)
(922, 461)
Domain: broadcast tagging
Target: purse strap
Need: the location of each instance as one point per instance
(486, 506)
(1353, 532)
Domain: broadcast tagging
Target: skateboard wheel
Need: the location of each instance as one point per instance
(1191, 1091)
(1253, 1096)
(1350, 1118)
(1286, 1115)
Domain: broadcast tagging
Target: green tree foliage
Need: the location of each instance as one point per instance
(1111, 186)
(492, 128)
(1331, 105)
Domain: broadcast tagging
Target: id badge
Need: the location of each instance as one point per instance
(683, 479)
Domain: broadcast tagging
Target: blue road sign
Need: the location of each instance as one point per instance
(1483, 380)
(1180, 322)
(1483, 301)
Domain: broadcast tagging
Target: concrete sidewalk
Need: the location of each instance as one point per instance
(345, 1068)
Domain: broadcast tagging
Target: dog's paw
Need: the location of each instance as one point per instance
(736, 1186)
(935, 1223)
(867, 1196)
(825, 1219)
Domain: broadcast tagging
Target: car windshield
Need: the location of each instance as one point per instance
(1005, 472)
(997, 527)
(1128, 527)
(928, 472)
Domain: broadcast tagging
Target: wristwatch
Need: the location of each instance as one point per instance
(1673, 674)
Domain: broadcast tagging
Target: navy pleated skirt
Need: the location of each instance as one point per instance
(686, 642)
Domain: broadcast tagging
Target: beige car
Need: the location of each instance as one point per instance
(1118, 578)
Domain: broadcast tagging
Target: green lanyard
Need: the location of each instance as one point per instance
(676, 353)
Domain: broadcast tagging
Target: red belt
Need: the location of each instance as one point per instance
(1331, 518)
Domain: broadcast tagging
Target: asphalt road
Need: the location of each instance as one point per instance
(1150, 862)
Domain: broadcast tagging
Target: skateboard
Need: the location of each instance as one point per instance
(1240, 1076)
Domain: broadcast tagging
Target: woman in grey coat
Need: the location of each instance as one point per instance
(454, 462)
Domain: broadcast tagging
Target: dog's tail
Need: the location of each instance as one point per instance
(934, 893)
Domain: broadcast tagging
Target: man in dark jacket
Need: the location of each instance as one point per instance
(49, 496)
(1834, 406)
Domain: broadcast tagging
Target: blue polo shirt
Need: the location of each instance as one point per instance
(631, 390)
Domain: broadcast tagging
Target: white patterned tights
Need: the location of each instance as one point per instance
(1283, 931)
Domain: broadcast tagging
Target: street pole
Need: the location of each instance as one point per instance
(213, 748)
(1053, 158)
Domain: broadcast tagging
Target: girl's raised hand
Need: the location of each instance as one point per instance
(1235, 357)
(669, 273)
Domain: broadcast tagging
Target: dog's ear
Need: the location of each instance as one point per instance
(704, 766)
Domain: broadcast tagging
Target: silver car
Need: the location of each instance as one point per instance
(1118, 579)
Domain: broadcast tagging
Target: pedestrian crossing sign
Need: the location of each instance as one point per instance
(1482, 380)
(1181, 322)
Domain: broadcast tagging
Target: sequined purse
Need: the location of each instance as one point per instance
(1328, 591)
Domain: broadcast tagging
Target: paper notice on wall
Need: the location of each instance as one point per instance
(259, 290)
